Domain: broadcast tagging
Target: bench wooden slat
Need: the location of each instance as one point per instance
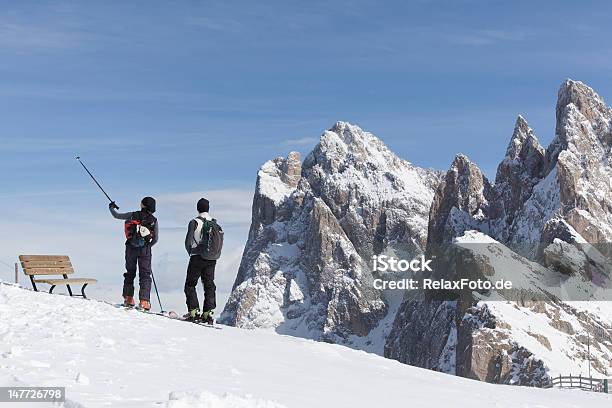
(48, 271)
(44, 258)
(26, 264)
(66, 281)
(46, 264)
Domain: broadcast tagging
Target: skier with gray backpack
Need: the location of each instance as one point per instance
(203, 243)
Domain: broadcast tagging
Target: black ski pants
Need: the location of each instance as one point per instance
(140, 257)
(200, 268)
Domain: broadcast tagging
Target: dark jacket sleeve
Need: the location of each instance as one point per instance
(189, 238)
(120, 216)
(155, 234)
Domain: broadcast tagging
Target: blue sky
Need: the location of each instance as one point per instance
(170, 98)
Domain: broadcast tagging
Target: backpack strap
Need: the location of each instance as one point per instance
(206, 222)
(195, 240)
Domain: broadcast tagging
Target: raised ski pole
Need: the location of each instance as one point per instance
(157, 292)
(95, 181)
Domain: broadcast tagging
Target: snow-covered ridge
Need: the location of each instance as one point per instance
(106, 356)
(547, 218)
(571, 178)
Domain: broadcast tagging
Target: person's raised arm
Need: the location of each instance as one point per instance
(120, 216)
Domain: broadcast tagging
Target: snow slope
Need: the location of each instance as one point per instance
(110, 357)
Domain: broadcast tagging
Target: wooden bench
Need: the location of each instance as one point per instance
(39, 265)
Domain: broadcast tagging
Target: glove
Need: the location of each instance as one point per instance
(113, 205)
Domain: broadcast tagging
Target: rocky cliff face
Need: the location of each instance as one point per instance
(306, 267)
(545, 206)
(547, 218)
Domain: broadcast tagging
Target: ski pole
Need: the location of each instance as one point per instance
(95, 181)
(157, 292)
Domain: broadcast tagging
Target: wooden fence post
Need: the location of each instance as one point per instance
(16, 273)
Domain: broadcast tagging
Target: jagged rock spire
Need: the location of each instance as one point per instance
(578, 103)
(462, 198)
(583, 97)
(521, 169)
(523, 141)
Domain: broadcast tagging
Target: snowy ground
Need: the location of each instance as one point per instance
(109, 357)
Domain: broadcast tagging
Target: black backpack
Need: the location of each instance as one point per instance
(210, 241)
(134, 234)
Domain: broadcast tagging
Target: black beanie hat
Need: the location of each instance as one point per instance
(203, 205)
(149, 204)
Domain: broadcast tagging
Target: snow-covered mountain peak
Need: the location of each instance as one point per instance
(346, 145)
(582, 155)
(533, 184)
(583, 97)
(523, 140)
(354, 137)
(352, 170)
(345, 128)
(461, 162)
(305, 266)
(465, 176)
(461, 200)
(583, 122)
(351, 136)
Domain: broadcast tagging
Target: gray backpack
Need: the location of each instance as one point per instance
(210, 241)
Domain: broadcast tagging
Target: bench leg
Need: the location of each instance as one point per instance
(52, 287)
(83, 291)
(33, 283)
(68, 286)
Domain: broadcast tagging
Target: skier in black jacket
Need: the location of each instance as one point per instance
(202, 262)
(142, 232)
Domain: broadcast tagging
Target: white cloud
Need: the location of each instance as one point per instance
(488, 37)
(303, 141)
(49, 143)
(232, 207)
(216, 24)
(29, 36)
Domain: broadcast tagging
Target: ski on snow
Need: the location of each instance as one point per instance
(168, 315)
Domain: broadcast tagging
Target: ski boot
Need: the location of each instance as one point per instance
(192, 316)
(128, 301)
(145, 305)
(207, 317)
